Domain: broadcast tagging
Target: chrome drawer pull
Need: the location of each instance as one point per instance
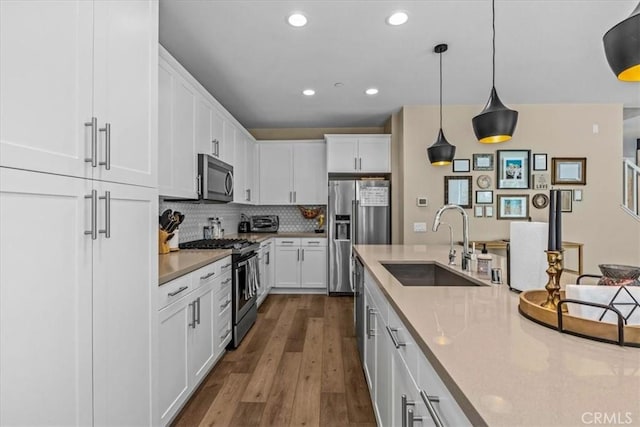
(226, 334)
(370, 332)
(225, 305)
(174, 293)
(412, 418)
(107, 156)
(206, 276)
(93, 124)
(226, 266)
(396, 343)
(226, 281)
(405, 403)
(428, 401)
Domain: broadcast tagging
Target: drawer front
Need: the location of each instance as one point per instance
(225, 265)
(266, 243)
(174, 290)
(224, 282)
(205, 275)
(408, 348)
(223, 299)
(225, 330)
(313, 242)
(377, 296)
(295, 241)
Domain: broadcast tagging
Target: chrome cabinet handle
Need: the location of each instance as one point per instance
(268, 255)
(228, 183)
(370, 332)
(217, 148)
(198, 317)
(226, 281)
(249, 190)
(177, 291)
(360, 163)
(206, 276)
(107, 146)
(396, 343)
(412, 418)
(313, 242)
(287, 242)
(199, 184)
(94, 142)
(298, 254)
(405, 404)
(225, 266)
(226, 334)
(302, 254)
(225, 305)
(94, 215)
(107, 214)
(428, 401)
(355, 163)
(295, 196)
(192, 306)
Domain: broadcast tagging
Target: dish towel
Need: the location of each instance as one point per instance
(253, 278)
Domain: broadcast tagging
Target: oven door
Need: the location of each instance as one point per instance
(243, 297)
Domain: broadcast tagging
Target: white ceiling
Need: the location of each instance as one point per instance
(256, 65)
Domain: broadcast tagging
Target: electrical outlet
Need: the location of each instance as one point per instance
(421, 201)
(420, 227)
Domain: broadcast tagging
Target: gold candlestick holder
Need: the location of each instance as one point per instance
(554, 271)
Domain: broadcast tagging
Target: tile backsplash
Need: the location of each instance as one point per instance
(197, 216)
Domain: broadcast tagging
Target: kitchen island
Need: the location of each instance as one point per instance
(501, 368)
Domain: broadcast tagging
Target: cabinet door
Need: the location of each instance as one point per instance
(384, 366)
(204, 140)
(269, 267)
(46, 82)
(183, 161)
(314, 267)
(228, 147)
(239, 169)
(125, 90)
(342, 154)
(217, 136)
(166, 81)
(45, 299)
(371, 336)
(374, 154)
(403, 385)
(287, 267)
(202, 346)
(275, 173)
(310, 173)
(173, 358)
(124, 304)
(250, 172)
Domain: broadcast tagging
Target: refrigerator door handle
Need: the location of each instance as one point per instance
(354, 222)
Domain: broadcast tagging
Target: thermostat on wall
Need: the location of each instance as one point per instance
(421, 201)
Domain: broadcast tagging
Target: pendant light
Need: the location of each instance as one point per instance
(622, 47)
(441, 153)
(496, 123)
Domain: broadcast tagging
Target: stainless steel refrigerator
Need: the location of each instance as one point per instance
(359, 213)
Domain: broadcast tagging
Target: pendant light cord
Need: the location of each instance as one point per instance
(493, 27)
(440, 90)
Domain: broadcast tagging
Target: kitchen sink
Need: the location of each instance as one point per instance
(427, 274)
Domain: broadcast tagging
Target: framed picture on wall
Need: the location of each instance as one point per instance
(461, 165)
(488, 211)
(484, 196)
(513, 169)
(569, 170)
(539, 162)
(513, 206)
(566, 200)
(457, 191)
(483, 162)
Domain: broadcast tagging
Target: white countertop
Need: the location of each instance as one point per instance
(500, 366)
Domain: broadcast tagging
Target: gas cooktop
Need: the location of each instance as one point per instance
(216, 244)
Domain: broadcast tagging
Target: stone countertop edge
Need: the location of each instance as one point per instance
(178, 263)
(261, 237)
(501, 368)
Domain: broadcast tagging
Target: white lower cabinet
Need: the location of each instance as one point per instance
(404, 386)
(265, 266)
(77, 311)
(301, 263)
(194, 330)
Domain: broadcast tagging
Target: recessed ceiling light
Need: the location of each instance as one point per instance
(371, 91)
(338, 84)
(297, 20)
(398, 18)
(309, 92)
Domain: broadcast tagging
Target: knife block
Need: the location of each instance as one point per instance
(163, 244)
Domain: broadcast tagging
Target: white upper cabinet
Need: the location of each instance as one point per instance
(78, 83)
(210, 127)
(358, 153)
(250, 172)
(292, 172)
(239, 167)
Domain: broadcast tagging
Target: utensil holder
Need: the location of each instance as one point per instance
(163, 245)
(175, 240)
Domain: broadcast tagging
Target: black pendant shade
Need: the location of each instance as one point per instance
(441, 152)
(622, 47)
(496, 123)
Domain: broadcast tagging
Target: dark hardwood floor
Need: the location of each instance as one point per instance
(298, 366)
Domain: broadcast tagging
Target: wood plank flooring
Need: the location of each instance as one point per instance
(297, 366)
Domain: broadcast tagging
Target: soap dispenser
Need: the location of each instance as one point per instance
(484, 262)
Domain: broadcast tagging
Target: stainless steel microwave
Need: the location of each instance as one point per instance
(215, 180)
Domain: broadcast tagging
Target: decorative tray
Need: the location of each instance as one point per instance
(615, 333)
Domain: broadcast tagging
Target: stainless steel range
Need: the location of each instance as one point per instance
(245, 280)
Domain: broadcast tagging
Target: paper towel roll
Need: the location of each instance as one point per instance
(528, 241)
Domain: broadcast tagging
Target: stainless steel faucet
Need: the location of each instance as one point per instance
(466, 253)
(452, 252)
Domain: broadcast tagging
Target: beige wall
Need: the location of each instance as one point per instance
(307, 133)
(609, 234)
